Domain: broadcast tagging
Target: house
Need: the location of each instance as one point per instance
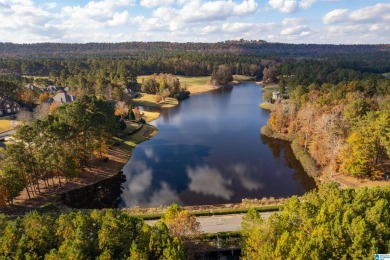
(275, 95)
(62, 98)
(33, 88)
(8, 106)
(52, 88)
(131, 93)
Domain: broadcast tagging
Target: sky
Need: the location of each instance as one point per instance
(289, 21)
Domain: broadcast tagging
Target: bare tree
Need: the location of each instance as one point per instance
(41, 111)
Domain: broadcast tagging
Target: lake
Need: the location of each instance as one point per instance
(209, 150)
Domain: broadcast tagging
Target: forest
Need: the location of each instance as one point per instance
(90, 235)
(327, 223)
(330, 223)
(339, 117)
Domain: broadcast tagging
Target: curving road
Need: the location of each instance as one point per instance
(221, 223)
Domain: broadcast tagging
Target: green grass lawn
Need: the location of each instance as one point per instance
(150, 100)
(145, 133)
(266, 105)
(184, 81)
(242, 78)
(193, 81)
(273, 87)
(5, 125)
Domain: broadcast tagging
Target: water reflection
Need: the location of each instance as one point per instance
(209, 150)
(282, 149)
(209, 181)
(104, 194)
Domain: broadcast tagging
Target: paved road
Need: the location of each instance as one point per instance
(220, 223)
(6, 134)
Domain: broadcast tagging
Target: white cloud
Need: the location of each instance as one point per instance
(196, 11)
(290, 6)
(335, 16)
(186, 20)
(119, 19)
(209, 181)
(370, 24)
(285, 6)
(50, 5)
(370, 14)
(295, 27)
(306, 3)
(154, 3)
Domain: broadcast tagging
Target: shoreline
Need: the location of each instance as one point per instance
(100, 171)
(322, 177)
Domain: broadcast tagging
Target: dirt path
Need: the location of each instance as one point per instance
(350, 182)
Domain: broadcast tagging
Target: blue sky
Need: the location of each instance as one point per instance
(291, 21)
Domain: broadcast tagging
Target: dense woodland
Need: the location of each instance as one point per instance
(330, 223)
(109, 234)
(340, 117)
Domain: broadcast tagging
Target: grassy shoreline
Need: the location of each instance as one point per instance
(5, 125)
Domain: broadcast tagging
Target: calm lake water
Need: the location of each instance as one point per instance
(209, 150)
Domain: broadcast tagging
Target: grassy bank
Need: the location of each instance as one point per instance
(305, 159)
(5, 125)
(266, 105)
(242, 78)
(268, 132)
(150, 101)
(184, 80)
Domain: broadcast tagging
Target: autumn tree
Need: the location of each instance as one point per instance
(121, 109)
(181, 223)
(367, 146)
(222, 75)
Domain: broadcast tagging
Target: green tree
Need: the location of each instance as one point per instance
(329, 223)
(126, 230)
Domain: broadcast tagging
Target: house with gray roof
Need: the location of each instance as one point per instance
(62, 98)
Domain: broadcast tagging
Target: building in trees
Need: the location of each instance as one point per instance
(8, 106)
(62, 98)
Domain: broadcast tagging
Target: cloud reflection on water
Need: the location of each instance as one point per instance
(209, 181)
(242, 173)
(138, 187)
